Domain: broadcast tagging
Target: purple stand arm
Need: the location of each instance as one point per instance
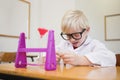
(21, 61)
(50, 63)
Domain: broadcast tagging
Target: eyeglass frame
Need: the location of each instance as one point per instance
(71, 35)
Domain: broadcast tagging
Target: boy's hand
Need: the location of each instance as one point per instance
(58, 55)
(75, 59)
(57, 58)
(68, 57)
(71, 58)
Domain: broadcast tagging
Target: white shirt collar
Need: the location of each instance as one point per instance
(87, 41)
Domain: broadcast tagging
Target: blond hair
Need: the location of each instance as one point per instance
(74, 19)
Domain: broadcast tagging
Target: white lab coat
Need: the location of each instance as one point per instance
(94, 50)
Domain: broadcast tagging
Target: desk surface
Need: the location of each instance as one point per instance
(63, 72)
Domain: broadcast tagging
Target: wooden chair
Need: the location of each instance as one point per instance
(8, 57)
(117, 59)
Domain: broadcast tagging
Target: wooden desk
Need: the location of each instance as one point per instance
(62, 72)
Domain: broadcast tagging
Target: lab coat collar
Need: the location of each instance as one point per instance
(87, 41)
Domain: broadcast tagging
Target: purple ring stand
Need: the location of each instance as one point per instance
(21, 61)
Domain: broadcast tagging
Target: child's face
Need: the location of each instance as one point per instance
(78, 36)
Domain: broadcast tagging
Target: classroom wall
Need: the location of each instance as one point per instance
(48, 14)
(95, 10)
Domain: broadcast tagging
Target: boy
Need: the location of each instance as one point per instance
(78, 48)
